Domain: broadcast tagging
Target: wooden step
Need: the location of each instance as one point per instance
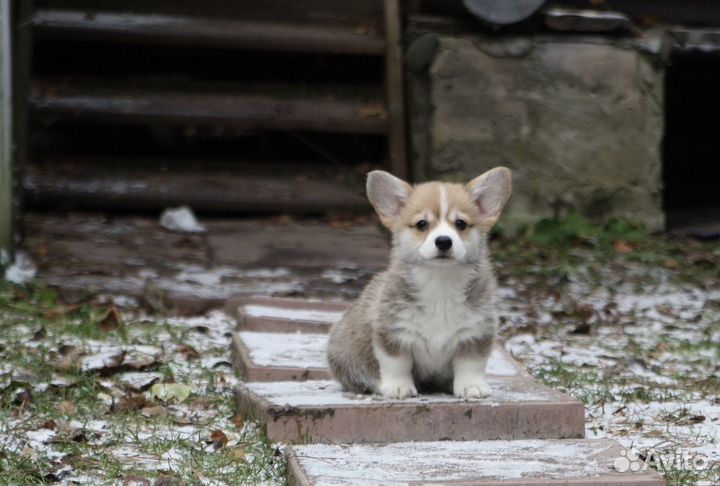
(270, 356)
(573, 462)
(339, 109)
(319, 411)
(287, 315)
(129, 185)
(270, 35)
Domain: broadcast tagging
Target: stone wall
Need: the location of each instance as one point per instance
(580, 124)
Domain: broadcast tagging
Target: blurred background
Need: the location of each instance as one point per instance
(602, 108)
(608, 107)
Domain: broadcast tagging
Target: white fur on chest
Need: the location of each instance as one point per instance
(440, 321)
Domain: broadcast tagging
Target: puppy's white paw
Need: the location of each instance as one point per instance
(471, 388)
(399, 388)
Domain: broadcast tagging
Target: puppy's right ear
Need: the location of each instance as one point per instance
(387, 194)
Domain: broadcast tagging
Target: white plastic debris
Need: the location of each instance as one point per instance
(181, 219)
(22, 269)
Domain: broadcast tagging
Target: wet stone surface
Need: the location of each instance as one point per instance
(189, 272)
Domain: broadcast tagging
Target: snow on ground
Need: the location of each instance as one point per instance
(83, 409)
(644, 358)
(636, 344)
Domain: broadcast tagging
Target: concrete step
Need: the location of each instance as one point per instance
(277, 314)
(503, 463)
(269, 356)
(319, 411)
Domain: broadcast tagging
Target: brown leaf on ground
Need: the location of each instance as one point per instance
(49, 424)
(239, 421)
(60, 311)
(29, 453)
(39, 334)
(129, 404)
(701, 258)
(70, 357)
(582, 328)
(112, 320)
(67, 407)
(23, 398)
(623, 247)
(156, 411)
(671, 263)
(236, 454)
(218, 439)
(189, 353)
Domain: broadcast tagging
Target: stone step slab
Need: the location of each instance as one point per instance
(503, 463)
(269, 356)
(285, 315)
(319, 411)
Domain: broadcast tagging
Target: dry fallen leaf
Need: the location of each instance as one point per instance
(70, 357)
(218, 439)
(67, 407)
(156, 411)
(29, 453)
(239, 421)
(623, 247)
(237, 454)
(189, 353)
(112, 320)
(129, 404)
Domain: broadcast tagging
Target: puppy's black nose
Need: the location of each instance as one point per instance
(443, 243)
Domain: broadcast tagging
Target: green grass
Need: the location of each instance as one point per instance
(25, 311)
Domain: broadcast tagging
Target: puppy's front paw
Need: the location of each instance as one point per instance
(471, 388)
(398, 388)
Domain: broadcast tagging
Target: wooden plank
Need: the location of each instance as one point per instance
(128, 185)
(568, 462)
(327, 109)
(394, 85)
(277, 35)
(320, 411)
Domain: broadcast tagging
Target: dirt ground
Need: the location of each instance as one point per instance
(114, 369)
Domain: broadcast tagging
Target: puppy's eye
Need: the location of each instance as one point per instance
(460, 224)
(422, 225)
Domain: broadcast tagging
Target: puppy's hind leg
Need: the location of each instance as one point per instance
(350, 375)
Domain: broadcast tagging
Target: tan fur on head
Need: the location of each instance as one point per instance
(481, 200)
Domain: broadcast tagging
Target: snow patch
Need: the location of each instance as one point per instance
(181, 219)
(421, 462)
(22, 270)
(266, 311)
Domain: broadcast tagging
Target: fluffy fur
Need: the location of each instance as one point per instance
(428, 322)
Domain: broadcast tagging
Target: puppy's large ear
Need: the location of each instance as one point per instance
(490, 192)
(387, 194)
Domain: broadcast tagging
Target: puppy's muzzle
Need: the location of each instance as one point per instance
(443, 243)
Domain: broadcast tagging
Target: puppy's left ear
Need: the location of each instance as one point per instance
(490, 192)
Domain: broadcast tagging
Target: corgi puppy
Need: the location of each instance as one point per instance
(427, 322)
